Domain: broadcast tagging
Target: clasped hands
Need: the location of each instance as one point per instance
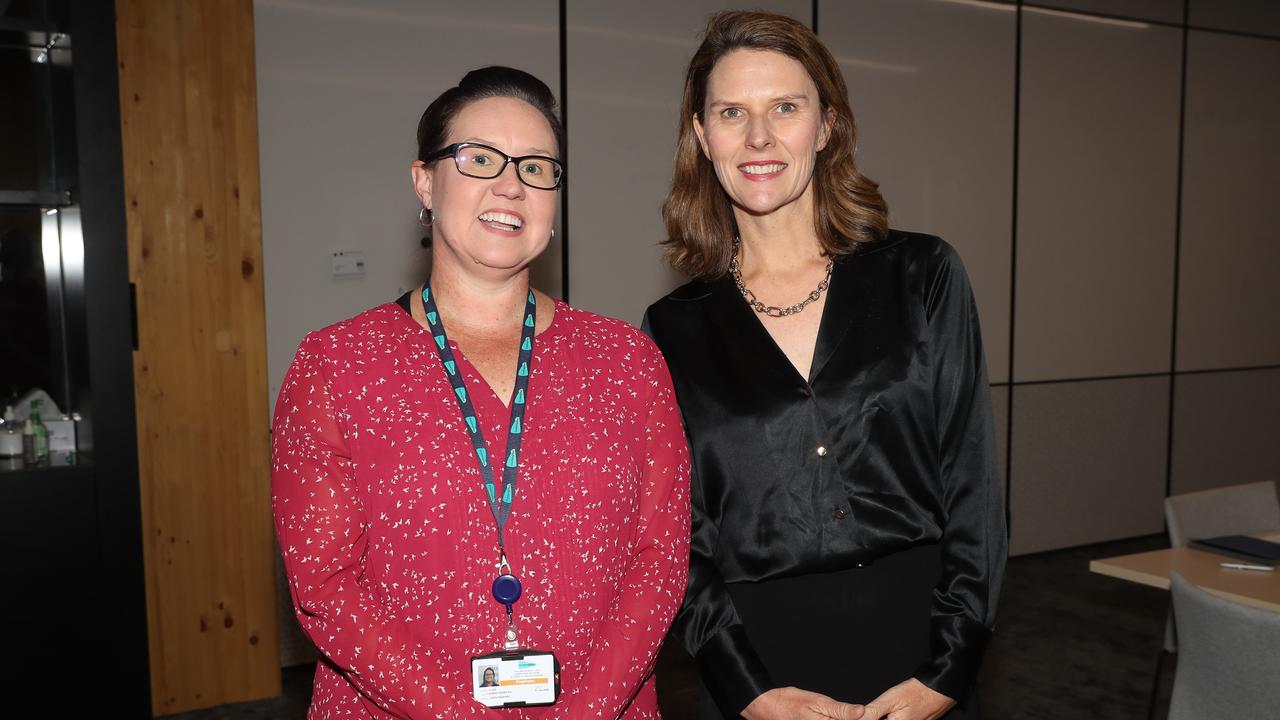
(909, 700)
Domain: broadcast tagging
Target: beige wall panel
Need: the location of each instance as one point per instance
(935, 110)
(625, 78)
(1225, 427)
(1229, 274)
(1248, 16)
(1097, 197)
(1167, 11)
(341, 87)
(1088, 462)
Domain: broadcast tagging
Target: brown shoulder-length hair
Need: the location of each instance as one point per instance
(848, 208)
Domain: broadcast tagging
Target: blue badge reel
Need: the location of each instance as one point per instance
(506, 590)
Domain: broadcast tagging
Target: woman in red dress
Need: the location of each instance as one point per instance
(386, 507)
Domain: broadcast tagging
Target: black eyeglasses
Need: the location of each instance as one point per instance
(481, 161)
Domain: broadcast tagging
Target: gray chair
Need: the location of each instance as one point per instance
(1233, 510)
(1228, 660)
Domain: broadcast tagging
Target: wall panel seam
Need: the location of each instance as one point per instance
(1013, 271)
(564, 151)
(1177, 248)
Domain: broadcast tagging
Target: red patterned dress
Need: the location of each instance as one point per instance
(390, 545)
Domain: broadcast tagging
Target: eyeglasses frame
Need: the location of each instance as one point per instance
(452, 151)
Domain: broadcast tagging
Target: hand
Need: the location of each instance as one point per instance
(791, 703)
(910, 700)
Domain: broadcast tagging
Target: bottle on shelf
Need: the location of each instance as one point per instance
(29, 456)
(40, 433)
(10, 435)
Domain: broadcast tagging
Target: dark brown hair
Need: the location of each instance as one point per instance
(848, 208)
(487, 82)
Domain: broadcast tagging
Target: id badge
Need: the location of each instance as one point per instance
(515, 678)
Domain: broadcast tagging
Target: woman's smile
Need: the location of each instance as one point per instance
(502, 222)
(762, 170)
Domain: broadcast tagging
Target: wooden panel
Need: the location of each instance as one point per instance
(188, 108)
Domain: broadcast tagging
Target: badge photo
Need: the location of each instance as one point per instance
(522, 678)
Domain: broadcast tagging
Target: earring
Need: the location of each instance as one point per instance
(553, 233)
(426, 217)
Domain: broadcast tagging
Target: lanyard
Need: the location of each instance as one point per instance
(501, 507)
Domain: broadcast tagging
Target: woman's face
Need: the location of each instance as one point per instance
(497, 224)
(762, 128)
(488, 675)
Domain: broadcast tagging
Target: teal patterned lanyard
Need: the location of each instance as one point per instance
(501, 508)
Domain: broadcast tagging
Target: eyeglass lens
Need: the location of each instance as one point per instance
(483, 162)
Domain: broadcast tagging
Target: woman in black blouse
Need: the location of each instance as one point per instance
(849, 534)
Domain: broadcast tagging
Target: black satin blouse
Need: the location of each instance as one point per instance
(889, 444)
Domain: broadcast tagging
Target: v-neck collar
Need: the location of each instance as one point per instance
(753, 337)
(420, 334)
(837, 314)
(745, 332)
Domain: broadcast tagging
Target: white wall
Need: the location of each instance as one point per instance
(626, 77)
(341, 86)
(934, 103)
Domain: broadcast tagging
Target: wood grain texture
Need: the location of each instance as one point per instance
(1255, 589)
(189, 116)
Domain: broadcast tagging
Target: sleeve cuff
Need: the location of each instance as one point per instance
(731, 670)
(958, 646)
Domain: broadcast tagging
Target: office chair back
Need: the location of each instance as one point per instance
(1228, 666)
(1233, 510)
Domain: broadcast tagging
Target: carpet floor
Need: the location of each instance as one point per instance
(1069, 644)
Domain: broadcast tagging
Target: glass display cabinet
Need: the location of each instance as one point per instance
(73, 612)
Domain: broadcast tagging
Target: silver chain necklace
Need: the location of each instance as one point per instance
(771, 310)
